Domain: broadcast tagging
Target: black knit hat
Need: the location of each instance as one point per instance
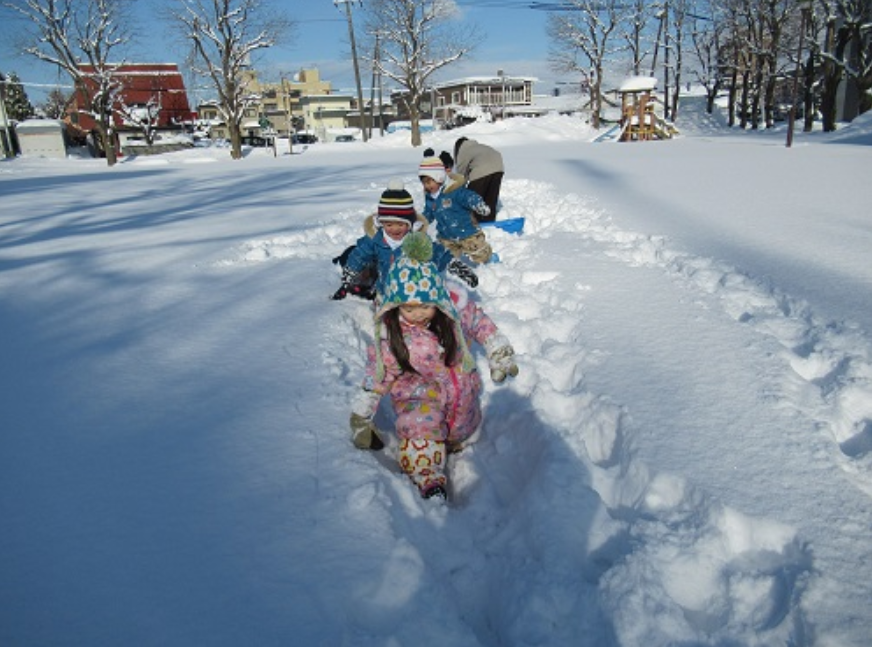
(396, 204)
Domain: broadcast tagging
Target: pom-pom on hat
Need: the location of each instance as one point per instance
(444, 156)
(396, 204)
(432, 167)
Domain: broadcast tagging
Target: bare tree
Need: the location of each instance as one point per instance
(416, 39)
(635, 30)
(223, 36)
(679, 22)
(80, 37)
(55, 104)
(710, 48)
(846, 56)
(581, 36)
(145, 117)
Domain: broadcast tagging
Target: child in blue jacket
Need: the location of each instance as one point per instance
(454, 209)
(373, 254)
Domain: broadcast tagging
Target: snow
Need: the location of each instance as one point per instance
(684, 458)
(638, 84)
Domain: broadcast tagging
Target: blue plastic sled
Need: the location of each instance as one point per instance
(511, 225)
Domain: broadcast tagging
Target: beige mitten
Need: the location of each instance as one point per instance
(364, 433)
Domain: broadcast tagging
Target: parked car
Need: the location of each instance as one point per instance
(303, 138)
(344, 138)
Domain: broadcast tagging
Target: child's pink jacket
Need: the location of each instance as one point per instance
(437, 402)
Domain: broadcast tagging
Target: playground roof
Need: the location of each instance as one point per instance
(638, 84)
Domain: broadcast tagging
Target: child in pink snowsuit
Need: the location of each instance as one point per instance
(421, 357)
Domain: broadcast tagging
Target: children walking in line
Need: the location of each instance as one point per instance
(366, 263)
(454, 208)
(420, 356)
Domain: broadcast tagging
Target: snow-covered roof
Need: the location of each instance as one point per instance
(638, 84)
(472, 80)
(39, 125)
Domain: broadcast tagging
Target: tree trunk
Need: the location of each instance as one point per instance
(769, 102)
(235, 139)
(597, 97)
(743, 105)
(107, 142)
(734, 84)
(808, 94)
(413, 108)
(756, 110)
(830, 82)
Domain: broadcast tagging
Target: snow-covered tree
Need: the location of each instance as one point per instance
(581, 36)
(55, 104)
(15, 99)
(846, 55)
(634, 32)
(81, 37)
(416, 39)
(144, 117)
(709, 47)
(223, 35)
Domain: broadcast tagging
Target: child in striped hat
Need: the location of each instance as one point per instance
(420, 357)
(455, 210)
(369, 259)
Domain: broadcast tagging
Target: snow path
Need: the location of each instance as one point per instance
(555, 465)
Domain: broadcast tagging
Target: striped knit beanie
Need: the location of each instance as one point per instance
(396, 204)
(432, 167)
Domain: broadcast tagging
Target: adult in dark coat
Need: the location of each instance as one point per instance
(482, 166)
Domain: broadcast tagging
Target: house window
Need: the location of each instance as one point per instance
(455, 97)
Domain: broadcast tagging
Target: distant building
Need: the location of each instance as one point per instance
(475, 98)
(321, 113)
(141, 85)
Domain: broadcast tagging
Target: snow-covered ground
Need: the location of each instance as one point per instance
(684, 458)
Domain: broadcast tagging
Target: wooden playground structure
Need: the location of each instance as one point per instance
(639, 121)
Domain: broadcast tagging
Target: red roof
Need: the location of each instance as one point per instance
(142, 82)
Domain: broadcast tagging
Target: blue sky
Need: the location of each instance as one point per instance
(513, 40)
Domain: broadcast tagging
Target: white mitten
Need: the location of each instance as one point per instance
(500, 357)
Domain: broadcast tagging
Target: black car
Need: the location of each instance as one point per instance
(303, 138)
(259, 142)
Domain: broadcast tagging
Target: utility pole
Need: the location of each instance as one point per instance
(360, 106)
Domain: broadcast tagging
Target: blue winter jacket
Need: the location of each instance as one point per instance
(453, 210)
(374, 250)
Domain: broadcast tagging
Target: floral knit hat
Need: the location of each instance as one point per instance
(414, 278)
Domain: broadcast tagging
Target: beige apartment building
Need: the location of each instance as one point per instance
(291, 105)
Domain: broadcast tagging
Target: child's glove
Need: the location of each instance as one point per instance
(500, 358)
(364, 433)
(347, 279)
(462, 271)
(481, 209)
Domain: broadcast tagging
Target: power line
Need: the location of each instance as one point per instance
(496, 4)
